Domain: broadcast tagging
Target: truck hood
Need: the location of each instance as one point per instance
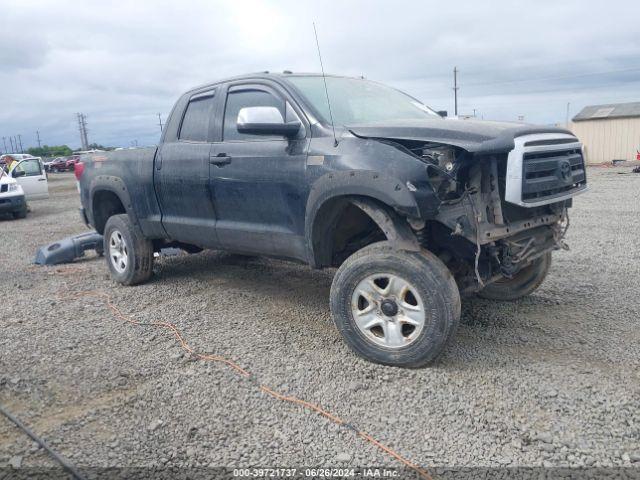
(475, 136)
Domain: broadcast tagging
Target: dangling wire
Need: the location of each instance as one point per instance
(478, 247)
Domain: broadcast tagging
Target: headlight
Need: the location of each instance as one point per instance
(13, 187)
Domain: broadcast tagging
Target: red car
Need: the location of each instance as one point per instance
(57, 165)
(71, 161)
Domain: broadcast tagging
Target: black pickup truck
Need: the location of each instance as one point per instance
(414, 210)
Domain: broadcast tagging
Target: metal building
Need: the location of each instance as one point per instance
(609, 132)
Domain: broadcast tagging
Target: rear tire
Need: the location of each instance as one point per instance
(525, 282)
(405, 320)
(129, 255)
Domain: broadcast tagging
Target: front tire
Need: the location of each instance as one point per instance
(395, 307)
(129, 255)
(523, 283)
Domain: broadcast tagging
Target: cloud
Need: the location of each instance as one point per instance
(19, 52)
(124, 63)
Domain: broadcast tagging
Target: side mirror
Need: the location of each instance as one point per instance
(265, 121)
(18, 173)
(442, 113)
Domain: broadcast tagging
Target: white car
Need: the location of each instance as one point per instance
(12, 198)
(30, 174)
(30, 177)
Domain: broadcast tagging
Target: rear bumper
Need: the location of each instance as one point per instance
(12, 204)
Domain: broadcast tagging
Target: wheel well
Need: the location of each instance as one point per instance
(341, 227)
(105, 204)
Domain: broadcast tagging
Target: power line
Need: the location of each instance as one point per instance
(561, 77)
(542, 91)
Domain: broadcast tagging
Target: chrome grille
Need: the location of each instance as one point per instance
(550, 174)
(543, 169)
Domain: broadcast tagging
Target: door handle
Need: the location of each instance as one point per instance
(42, 179)
(220, 160)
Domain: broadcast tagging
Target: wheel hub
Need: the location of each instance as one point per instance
(388, 310)
(118, 251)
(389, 307)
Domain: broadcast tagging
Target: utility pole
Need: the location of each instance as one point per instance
(455, 90)
(38, 136)
(80, 130)
(11, 142)
(82, 127)
(566, 123)
(160, 122)
(20, 138)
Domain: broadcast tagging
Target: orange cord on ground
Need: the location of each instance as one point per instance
(238, 369)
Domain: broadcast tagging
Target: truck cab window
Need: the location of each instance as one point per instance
(195, 124)
(247, 98)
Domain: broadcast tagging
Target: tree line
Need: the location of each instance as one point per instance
(60, 150)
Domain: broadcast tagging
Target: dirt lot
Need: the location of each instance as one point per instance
(551, 380)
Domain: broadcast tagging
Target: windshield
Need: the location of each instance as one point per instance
(360, 101)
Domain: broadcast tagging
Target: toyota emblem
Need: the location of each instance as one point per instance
(565, 170)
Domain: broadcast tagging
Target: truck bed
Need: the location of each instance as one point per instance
(134, 168)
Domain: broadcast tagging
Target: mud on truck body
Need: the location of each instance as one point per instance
(412, 209)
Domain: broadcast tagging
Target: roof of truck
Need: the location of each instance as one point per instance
(266, 74)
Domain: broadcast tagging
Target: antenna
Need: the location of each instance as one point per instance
(326, 91)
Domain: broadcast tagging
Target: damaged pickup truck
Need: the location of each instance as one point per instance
(412, 209)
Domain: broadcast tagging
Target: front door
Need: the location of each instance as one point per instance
(34, 181)
(258, 181)
(182, 176)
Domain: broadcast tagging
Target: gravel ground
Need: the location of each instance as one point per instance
(550, 380)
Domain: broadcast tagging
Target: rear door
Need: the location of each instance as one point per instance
(182, 174)
(34, 181)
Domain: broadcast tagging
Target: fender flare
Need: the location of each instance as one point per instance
(380, 196)
(116, 186)
(397, 231)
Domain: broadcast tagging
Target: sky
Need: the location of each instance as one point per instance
(123, 62)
